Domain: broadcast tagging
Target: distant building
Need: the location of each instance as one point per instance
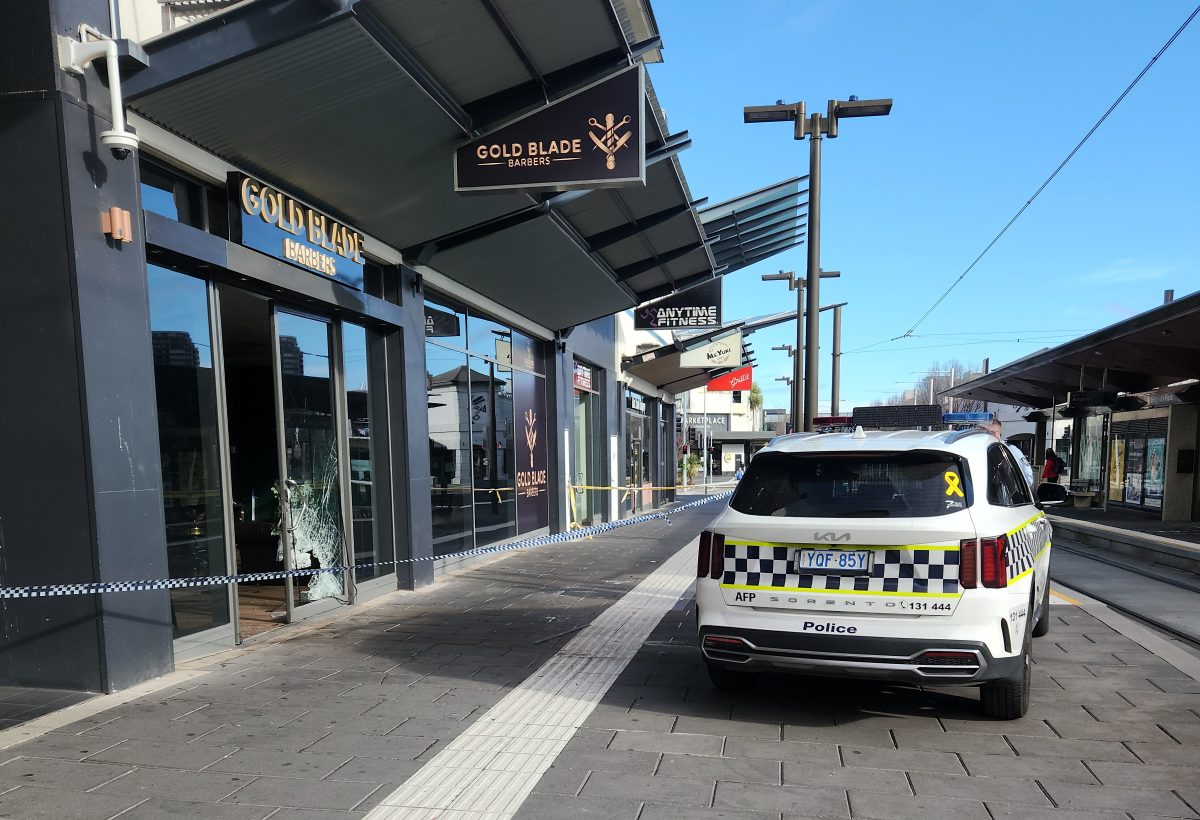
(776, 420)
(174, 348)
(291, 358)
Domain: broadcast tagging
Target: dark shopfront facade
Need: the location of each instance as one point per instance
(280, 397)
(221, 346)
(286, 402)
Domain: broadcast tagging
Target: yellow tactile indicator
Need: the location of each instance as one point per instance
(1066, 599)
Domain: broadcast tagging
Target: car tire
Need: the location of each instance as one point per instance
(1008, 698)
(731, 680)
(1042, 627)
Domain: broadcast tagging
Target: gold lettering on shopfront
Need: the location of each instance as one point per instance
(279, 210)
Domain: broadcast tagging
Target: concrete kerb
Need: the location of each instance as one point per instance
(1170, 552)
(1144, 636)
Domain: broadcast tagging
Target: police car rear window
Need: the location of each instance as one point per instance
(912, 484)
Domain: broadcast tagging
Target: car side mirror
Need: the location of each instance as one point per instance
(1041, 505)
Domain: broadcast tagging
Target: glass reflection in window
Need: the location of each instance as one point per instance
(171, 196)
(369, 544)
(492, 452)
(449, 402)
(185, 392)
(445, 323)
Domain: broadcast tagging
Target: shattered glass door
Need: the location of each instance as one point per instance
(311, 518)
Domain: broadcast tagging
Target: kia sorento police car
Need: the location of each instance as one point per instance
(907, 556)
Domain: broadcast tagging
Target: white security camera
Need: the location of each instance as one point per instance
(121, 143)
(74, 55)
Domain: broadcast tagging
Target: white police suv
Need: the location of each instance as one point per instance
(909, 556)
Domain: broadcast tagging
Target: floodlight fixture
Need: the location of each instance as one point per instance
(780, 112)
(861, 108)
(815, 127)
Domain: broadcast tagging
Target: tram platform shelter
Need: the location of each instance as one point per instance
(1132, 396)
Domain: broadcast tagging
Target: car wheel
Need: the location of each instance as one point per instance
(1008, 699)
(730, 680)
(1042, 627)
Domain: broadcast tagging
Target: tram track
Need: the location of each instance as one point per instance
(1122, 593)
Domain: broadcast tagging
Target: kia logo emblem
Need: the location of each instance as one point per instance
(831, 536)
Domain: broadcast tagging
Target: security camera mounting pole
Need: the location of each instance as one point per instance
(74, 56)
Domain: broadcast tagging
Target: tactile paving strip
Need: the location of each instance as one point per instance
(487, 772)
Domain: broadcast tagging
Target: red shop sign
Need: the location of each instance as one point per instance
(583, 378)
(739, 379)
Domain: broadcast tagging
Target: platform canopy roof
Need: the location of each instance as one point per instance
(1151, 350)
(357, 106)
(661, 365)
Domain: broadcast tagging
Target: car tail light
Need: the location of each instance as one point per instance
(993, 572)
(722, 642)
(710, 559)
(968, 562)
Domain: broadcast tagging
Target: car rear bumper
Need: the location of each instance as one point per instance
(929, 662)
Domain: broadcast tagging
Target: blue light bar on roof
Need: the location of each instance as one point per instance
(967, 418)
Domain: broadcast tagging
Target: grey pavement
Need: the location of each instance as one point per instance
(327, 721)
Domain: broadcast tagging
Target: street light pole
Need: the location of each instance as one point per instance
(800, 350)
(813, 279)
(815, 128)
(798, 369)
(837, 359)
(791, 351)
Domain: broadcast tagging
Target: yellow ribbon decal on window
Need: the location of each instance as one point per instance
(953, 484)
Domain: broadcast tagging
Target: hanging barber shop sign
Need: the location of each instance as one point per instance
(282, 226)
(594, 138)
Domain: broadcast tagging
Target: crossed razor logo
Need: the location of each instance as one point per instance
(530, 433)
(610, 143)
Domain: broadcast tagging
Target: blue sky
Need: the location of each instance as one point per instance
(989, 98)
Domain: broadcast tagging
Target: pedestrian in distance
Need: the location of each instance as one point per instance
(1050, 470)
(737, 476)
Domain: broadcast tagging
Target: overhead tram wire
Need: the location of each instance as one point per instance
(1025, 338)
(908, 333)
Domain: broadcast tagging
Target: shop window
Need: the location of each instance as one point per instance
(492, 451)
(448, 389)
(488, 428)
(185, 391)
(445, 322)
(172, 195)
(489, 338)
(311, 454)
(371, 544)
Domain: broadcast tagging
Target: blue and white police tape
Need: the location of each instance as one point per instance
(99, 587)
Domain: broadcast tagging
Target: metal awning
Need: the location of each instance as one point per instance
(661, 366)
(1151, 350)
(754, 226)
(357, 107)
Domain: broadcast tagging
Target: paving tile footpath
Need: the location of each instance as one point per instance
(327, 720)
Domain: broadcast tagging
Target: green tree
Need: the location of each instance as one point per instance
(755, 400)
